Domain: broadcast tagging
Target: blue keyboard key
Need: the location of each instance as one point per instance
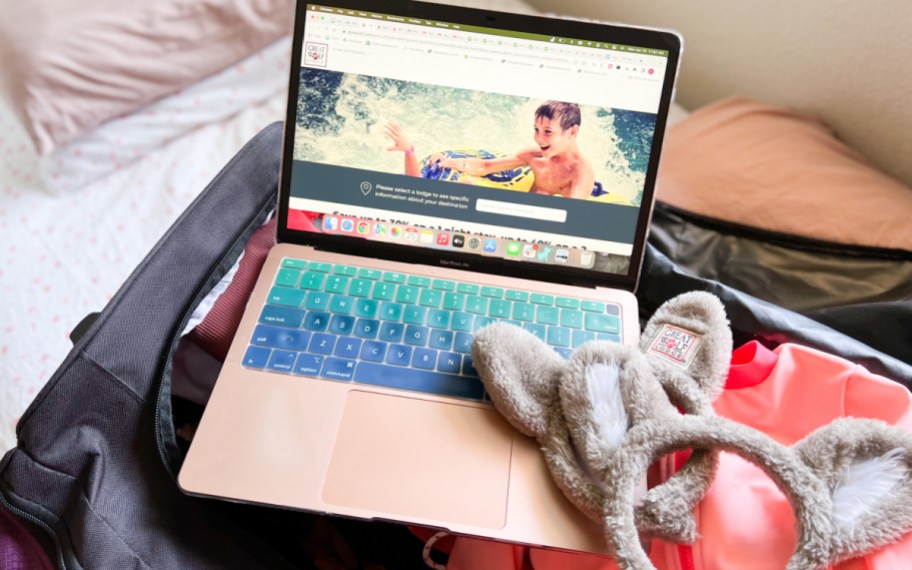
(285, 296)
(399, 354)
(442, 340)
(391, 311)
(613, 309)
(463, 342)
(419, 380)
(449, 362)
(341, 324)
(316, 321)
(424, 358)
(462, 322)
(468, 366)
(322, 343)
(308, 364)
(438, 318)
(342, 304)
(414, 315)
(282, 360)
(256, 357)
(416, 336)
(338, 369)
(367, 328)
(282, 316)
(317, 300)
(564, 352)
(280, 337)
(391, 332)
(373, 351)
(348, 347)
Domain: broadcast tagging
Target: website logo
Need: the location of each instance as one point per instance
(514, 248)
(490, 245)
(474, 243)
(562, 256)
(427, 236)
(315, 53)
(458, 241)
(544, 252)
(348, 225)
(443, 238)
(364, 227)
(330, 223)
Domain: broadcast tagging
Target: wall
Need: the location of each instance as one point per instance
(847, 62)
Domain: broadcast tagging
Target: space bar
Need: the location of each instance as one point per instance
(419, 380)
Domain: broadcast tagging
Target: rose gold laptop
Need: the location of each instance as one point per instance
(443, 168)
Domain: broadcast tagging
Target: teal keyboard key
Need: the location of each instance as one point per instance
(367, 328)
(536, 329)
(372, 274)
(571, 318)
(559, 337)
(430, 298)
(407, 294)
(468, 288)
(477, 305)
(391, 277)
(317, 300)
(342, 304)
(312, 281)
(493, 292)
(360, 287)
(541, 299)
(414, 315)
(517, 296)
(567, 303)
(366, 308)
(287, 277)
(500, 308)
(383, 291)
(524, 312)
(417, 281)
(294, 263)
(594, 306)
(547, 315)
(609, 337)
(462, 322)
(483, 322)
(453, 301)
(438, 318)
(443, 285)
(282, 316)
(319, 267)
(285, 297)
(336, 284)
(346, 270)
(581, 337)
(601, 323)
(390, 311)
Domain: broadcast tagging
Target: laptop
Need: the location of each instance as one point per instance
(443, 168)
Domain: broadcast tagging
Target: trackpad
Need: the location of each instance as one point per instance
(403, 456)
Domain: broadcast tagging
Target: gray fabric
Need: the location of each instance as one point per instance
(96, 453)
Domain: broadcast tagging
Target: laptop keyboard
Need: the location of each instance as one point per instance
(396, 330)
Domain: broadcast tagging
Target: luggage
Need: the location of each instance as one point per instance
(93, 474)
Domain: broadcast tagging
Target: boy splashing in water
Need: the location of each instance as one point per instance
(559, 167)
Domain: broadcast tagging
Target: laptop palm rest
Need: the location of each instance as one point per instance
(415, 458)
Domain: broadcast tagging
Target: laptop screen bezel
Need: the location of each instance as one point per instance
(608, 33)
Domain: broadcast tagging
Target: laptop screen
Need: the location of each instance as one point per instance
(474, 144)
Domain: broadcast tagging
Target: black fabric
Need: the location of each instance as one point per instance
(97, 455)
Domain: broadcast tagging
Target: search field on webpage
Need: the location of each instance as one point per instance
(521, 210)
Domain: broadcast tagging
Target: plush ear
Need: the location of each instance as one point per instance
(689, 343)
(867, 467)
(520, 373)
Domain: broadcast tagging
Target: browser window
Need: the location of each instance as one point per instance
(496, 143)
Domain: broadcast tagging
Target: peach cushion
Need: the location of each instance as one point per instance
(68, 66)
(755, 164)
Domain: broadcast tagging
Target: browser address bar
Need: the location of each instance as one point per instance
(521, 210)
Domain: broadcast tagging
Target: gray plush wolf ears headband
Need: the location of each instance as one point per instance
(604, 415)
